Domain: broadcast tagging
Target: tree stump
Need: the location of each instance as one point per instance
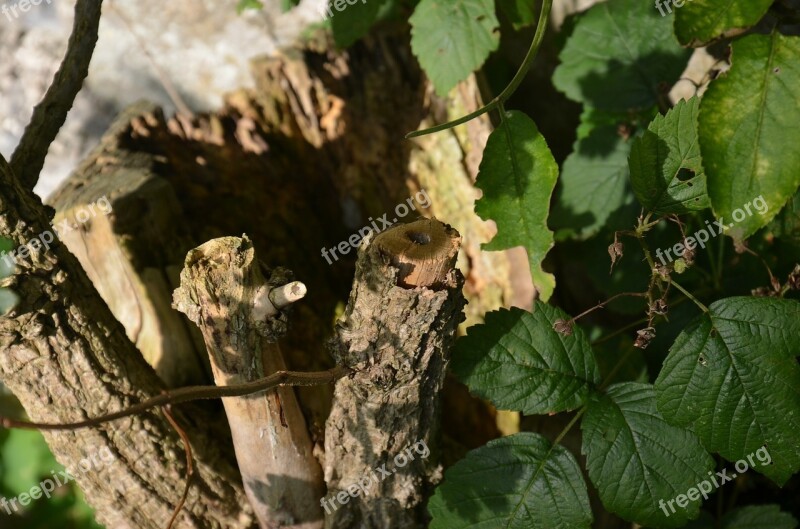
(396, 333)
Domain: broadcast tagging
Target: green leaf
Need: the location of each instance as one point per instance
(519, 12)
(516, 482)
(748, 117)
(750, 517)
(759, 517)
(519, 362)
(25, 461)
(244, 5)
(353, 21)
(666, 168)
(594, 182)
(286, 5)
(517, 176)
(591, 118)
(7, 265)
(732, 376)
(8, 299)
(787, 223)
(622, 55)
(635, 459)
(699, 22)
(453, 38)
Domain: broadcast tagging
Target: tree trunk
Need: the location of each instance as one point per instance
(66, 358)
(301, 162)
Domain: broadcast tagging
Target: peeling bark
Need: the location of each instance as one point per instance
(396, 333)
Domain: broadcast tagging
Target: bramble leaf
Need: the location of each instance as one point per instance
(516, 482)
(668, 150)
(517, 176)
(518, 361)
(700, 21)
(732, 376)
(354, 21)
(452, 38)
(594, 182)
(635, 459)
(621, 55)
(747, 118)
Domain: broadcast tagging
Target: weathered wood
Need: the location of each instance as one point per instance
(237, 170)
(66, 358)
(300, 163)
(131, 248)
(225, 294)
(387, 414)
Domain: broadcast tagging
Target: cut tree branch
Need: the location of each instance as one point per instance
(50, 114)
(225, 294)
(396, 334)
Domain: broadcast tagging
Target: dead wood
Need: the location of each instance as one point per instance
(396, 334)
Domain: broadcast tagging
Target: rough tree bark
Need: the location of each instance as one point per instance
(300, 162)
(396, 334)
(66, 358)
(133, 256)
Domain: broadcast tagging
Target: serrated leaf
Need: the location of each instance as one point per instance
(519, 362)
(699, 22)
(516, 482)
(353, 21)
(594, 182)
(732, 376)
(748, 117)
(517, 176)
(519, 12)
(622, 55)
(666, 168)
(635, 459)
(452, 38)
